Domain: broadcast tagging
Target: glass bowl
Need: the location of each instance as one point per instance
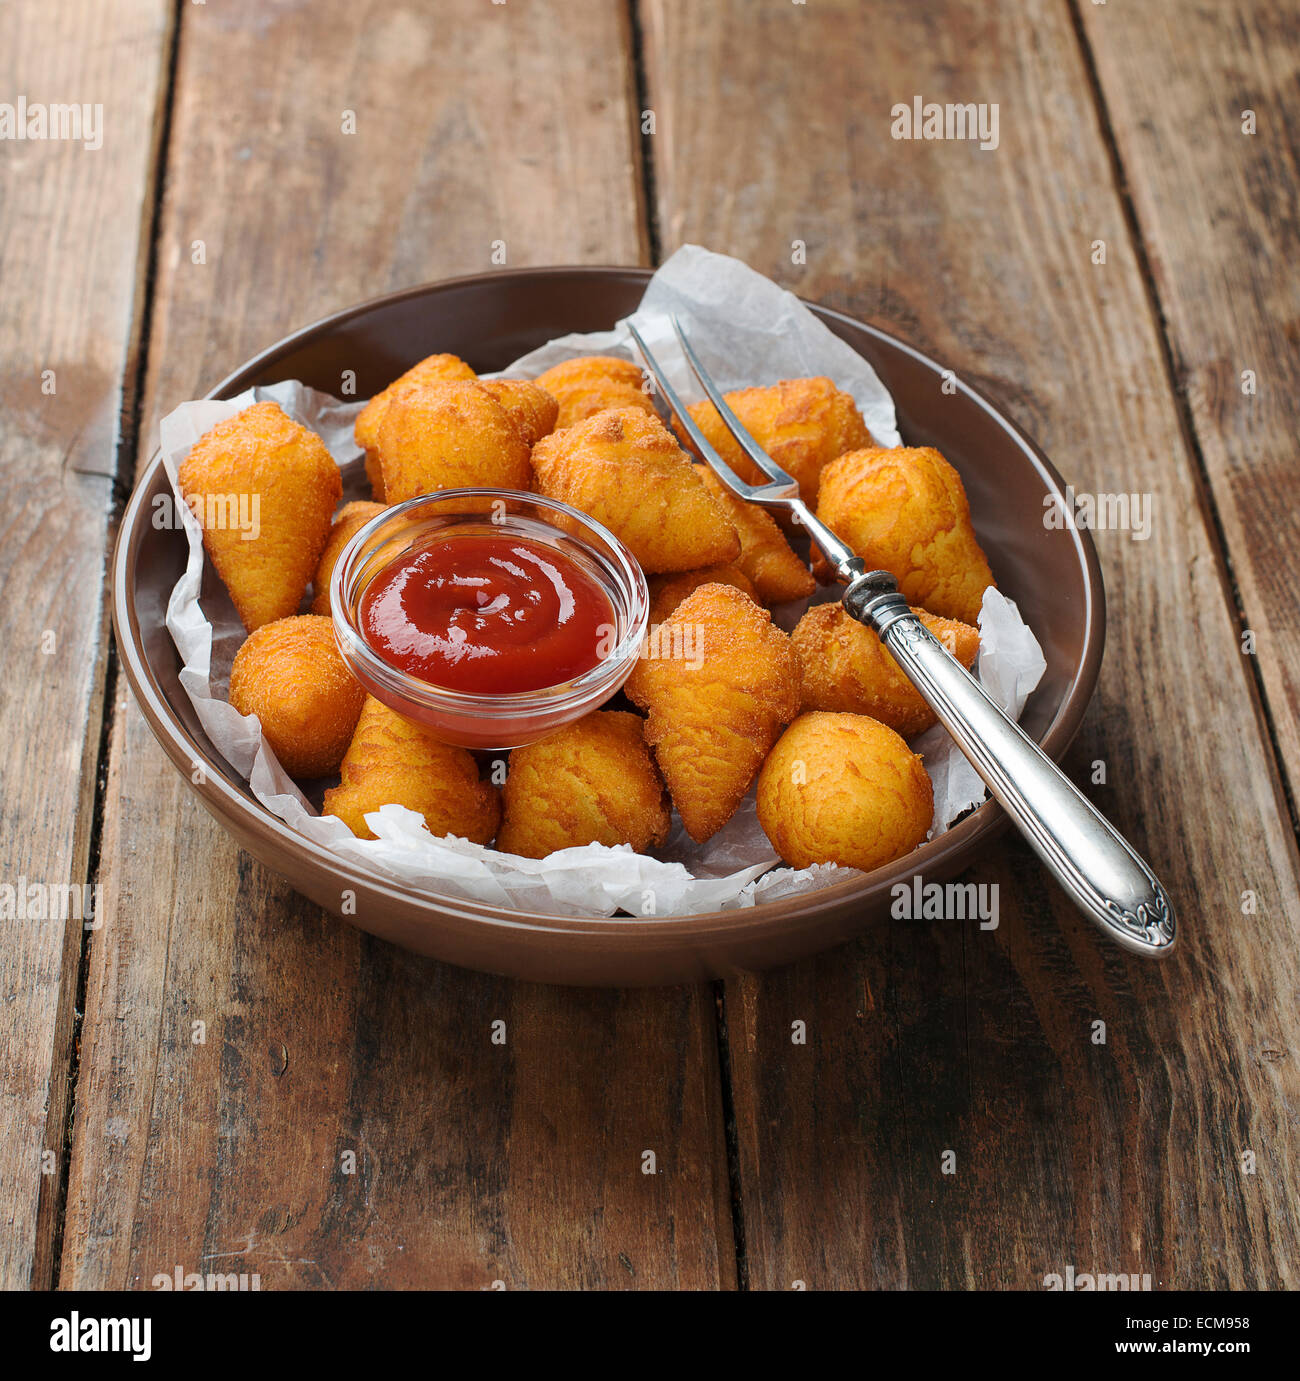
(475, 719)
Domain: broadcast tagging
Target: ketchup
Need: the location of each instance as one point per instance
(487, 613)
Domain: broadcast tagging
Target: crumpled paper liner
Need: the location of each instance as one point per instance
(747, 330)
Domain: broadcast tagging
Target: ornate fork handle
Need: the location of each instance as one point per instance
(1104, 876)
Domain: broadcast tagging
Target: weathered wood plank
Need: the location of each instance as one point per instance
(474, 1162)
(1214, 196)
(928, 1037)
(71, 247)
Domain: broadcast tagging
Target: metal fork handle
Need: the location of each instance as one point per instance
(1097, 867)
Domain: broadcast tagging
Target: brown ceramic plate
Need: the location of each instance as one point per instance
(491, 319)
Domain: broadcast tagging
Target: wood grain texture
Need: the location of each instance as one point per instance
(474, 1162)
(1216, 207)
(70, 260)
(934, 1036)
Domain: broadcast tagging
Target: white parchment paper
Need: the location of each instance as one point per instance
(747, 330)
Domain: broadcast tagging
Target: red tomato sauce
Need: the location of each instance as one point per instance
(487, 613)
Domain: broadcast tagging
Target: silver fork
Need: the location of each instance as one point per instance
(1096, 866)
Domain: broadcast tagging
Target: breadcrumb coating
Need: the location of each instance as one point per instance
(263, 465)
(668, 591)
(347, 522)
(623, 468)
(845, 667)
(803, 424)
(449, 436)
(765, 557)
(592, 782)
(433, 369)
(595, 383)
(843, 788)
(290, 675)
(529, 407)
(724, 682)
(904, 510)
(392, 761)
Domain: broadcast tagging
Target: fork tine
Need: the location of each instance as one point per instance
(729, 419)
(719, 466)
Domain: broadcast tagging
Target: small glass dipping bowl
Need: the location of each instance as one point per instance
(477, 720)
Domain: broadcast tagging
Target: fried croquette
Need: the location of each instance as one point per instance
(803, 424)
(392, 761)
(623, 468)
(719, 681)
(290, 675)
(530, 408)
(765, 557)
(592, 782)
(904, 510)
(845, 667)
(593, 384)
(433, 369)
(263, 465)
(843, 788)
(449, 436)
(668, 591)
(347, 522)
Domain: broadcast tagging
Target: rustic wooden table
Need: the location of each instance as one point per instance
(1120, 271)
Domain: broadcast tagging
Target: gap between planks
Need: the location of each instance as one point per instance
(124, 455)
(1182, 404)
(649, 216)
